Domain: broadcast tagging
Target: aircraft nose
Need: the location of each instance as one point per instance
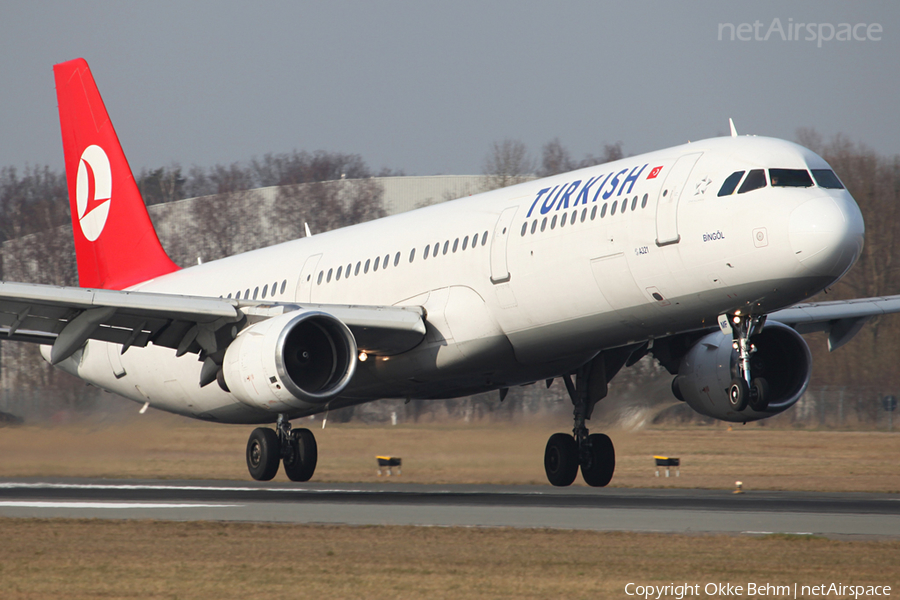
(826, 234)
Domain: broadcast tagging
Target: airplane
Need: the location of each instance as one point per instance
(698, 255)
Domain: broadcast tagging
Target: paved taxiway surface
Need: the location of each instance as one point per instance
(395, 503)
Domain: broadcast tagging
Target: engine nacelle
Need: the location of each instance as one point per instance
(706, 371)
(290, 361)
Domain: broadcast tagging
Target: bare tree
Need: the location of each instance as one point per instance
(555, 159)
(507, 163)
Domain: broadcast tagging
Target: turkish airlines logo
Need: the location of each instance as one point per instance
(93, 190)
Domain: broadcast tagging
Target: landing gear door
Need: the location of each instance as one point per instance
(305, 284)
(499, 269)
(669, 195)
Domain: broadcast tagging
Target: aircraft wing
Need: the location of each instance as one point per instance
(66, 317)
(840, 319)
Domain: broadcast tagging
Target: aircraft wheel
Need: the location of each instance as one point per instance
(759, 394)
(561, 459)
(263, 454)
(738, 394)
(601, 461)
(300, 461)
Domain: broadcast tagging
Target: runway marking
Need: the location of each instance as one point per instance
(46, 504)
(782, 532)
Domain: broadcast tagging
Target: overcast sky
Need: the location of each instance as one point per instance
(425, 87)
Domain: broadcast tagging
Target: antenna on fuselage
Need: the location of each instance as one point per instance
(733, 130)
(308, 232)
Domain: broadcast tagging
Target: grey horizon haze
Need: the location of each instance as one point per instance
(426, 87)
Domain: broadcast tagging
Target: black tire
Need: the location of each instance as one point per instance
(263, 454)
(561, 459)
(738, 394)
(601, 461)
(759, 394)
(300, 461)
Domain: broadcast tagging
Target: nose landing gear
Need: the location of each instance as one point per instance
(745, 390)
(296, 448)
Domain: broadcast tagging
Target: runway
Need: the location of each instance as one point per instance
(394, 503)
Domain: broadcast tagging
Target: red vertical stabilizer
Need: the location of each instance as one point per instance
(115, 243)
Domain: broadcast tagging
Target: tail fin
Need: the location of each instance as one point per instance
(115, 243)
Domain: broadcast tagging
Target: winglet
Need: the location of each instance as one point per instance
(733, 130)
(116, 245)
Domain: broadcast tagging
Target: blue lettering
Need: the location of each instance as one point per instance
(548, 203)
(582, 197)
(615, 184)
(540, 193)
(632, 177)
(601, 186)
(564, 201)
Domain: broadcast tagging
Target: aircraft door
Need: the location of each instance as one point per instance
(669, 195)
(499, 269)
(305, 283)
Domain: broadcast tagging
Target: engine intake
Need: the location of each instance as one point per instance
(291, 361)
(782, 358)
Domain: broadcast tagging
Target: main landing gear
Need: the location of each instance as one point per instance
(594, 453)
(296, 448)
(745, 390)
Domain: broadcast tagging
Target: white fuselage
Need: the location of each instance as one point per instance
(533, 297)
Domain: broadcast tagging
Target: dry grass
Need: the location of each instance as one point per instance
(134, 559)
(168, 447)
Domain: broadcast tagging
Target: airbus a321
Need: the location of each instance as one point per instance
(697, 255)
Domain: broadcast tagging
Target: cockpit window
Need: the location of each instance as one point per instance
(790, 178)
(730, 183)
(755, 179)
(827, 179)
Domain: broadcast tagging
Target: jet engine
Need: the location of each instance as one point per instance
(706, 370)
(291, 361)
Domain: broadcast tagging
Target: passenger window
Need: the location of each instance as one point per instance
(583, 214)
(412, 255)
(644, 201)
(544, 224)
(283, 283)
(265, 291)
(247, 294)
(427, 250)
(229, 295)
(562, 221)
(466, 239)
(827, 179)
(533, 228)
(366, 268)
(337, 276)
(387, 260)
(347, 272)
(730, 183)
(437, 248)
(524, 229)
(594, 212)
(484, 239)
(790, 178)
(255, 292)
(455, 244)
(612, 211)
(474, 240)
(328, 277)
(553, 222)
(275, 286)
(319, 281)
(574, 216)
(396, 259)
(375, 266)
(634, 203)
(603, 210)
(446, 246)
(358, 265)
(755, 180)
(238, 295)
